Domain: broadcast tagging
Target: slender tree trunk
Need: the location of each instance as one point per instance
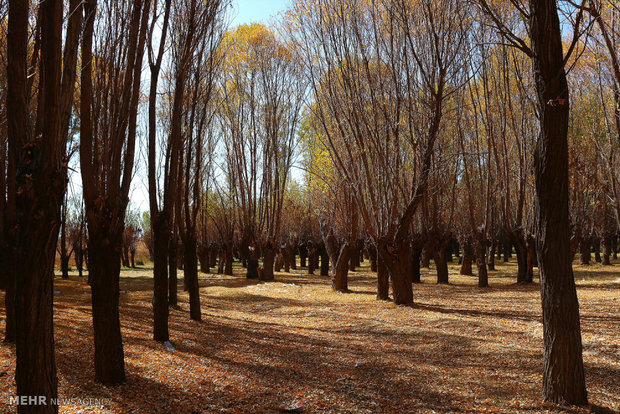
(161, 238)
(481, 260)
(302, 255)
(204, 259)
(191, 276)
(312, 253)
(584, 251)
(228, 263)
(373, 257)
(324, 261)
(426, 258)
(105, 269)
(596, 246)
(173, 276)
(531, 259)
(491, 257)
(606, 250)
(563, 373)
(439, 257)
(252, 268)
(341, 269)
(468, 258)
(521, 250)
(354, 257)
(268, 261)
(383, 278)
(416, 254)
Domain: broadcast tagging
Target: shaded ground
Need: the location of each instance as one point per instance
(264, 346)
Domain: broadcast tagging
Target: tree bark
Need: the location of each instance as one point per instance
(491, 256)
(161, 237)
(340, 257)
(606, 250)
(204, 259)
(324, 256)
(518, 240)
(416, 254)
(105, 269)
(398, 263)
(269, 254)
(468, 258)
(563, 373)
(596, 246)
(439, 257)
(383, 279)
(584, 251)
(191, 276)
(173, 278)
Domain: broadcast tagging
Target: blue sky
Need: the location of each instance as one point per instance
(248, 11)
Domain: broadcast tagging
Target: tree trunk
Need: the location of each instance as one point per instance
(491, 257)
(416, 254)
(269, 252)
(228, 254)
(507, 250)
(302, 255)
(439, 257)
(191, 277)
(354, 257)
(173, 278)
(606, 250)
(341, 269)
(596, 246)
(64, 255)
(252, 268)
(584, 251)
(398, 262)
(531, 259)
(383, 279)
(213, 254)
(521, 250)
(481, 260)
(161, 237)
(563, 373)
(324, 256)
(372, 253)
(204, 259)
(105, 268)
(468, 258)
(312, 253)
(426, 258)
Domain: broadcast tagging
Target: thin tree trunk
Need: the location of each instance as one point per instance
(416, 254)
(105, 270)
(468, 258)
(191, 277)
(161, 237)
(563, 373)
(439, 257)
(383, 279)
(322, 252)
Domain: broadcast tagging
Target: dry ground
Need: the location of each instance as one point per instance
(261, 347)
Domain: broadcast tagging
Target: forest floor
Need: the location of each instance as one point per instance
(263, 347)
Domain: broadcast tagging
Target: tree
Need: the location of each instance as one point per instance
(36, 182)
(109, 97)
(563, 374)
